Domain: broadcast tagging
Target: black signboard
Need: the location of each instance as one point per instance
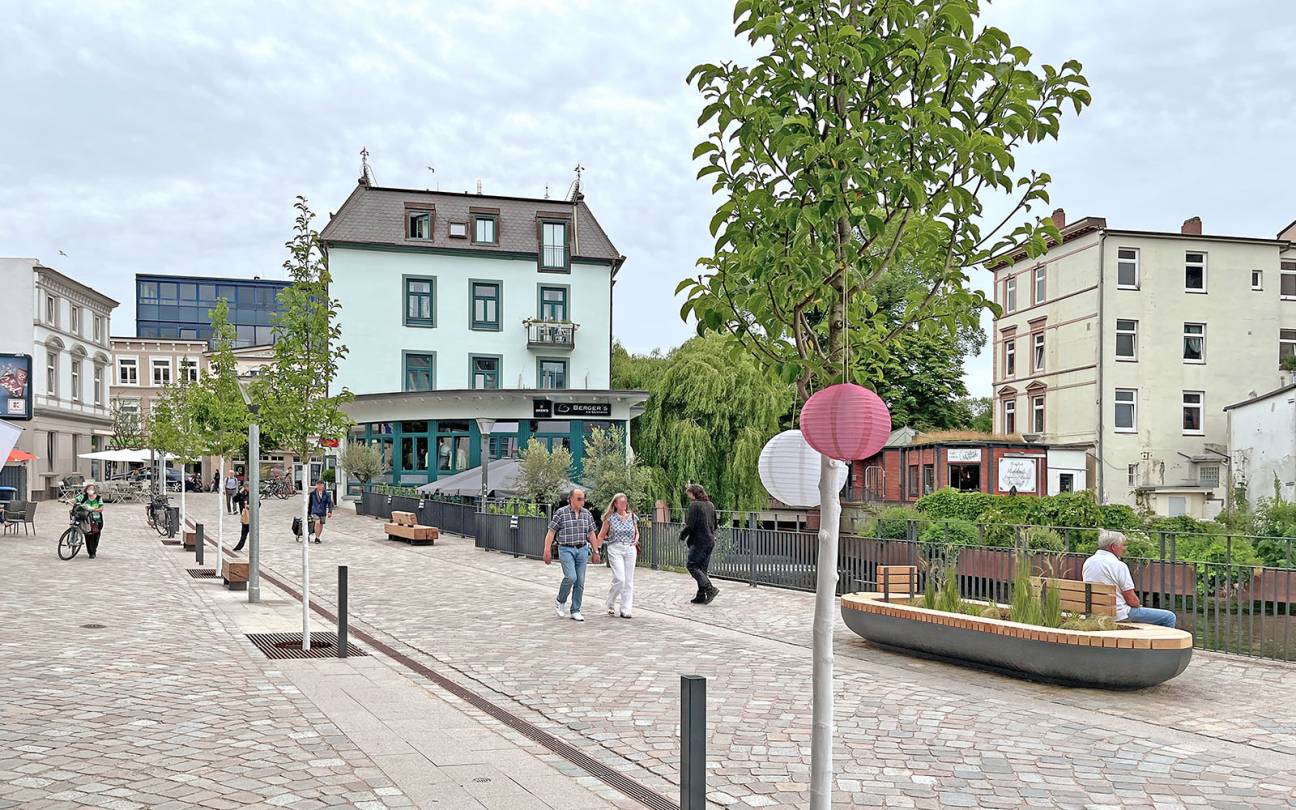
(15, 387)
(582, 409)
(541, 408)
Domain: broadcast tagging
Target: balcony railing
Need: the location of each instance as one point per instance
(551, 334)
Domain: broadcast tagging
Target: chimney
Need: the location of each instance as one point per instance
(1191, 227)
(1059, 218)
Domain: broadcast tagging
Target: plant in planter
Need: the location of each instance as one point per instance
(365, 462)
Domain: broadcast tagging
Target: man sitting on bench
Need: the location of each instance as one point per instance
(1107, 567)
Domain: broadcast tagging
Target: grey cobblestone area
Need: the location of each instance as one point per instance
(909, 733)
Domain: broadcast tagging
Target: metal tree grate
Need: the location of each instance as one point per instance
(201, 573)
(288, 645)
(167, 542)
(95, 626)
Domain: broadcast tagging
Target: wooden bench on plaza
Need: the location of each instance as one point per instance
(190, 540)
(404, 526)
(235, 574)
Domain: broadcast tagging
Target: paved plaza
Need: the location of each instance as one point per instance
(170, 706)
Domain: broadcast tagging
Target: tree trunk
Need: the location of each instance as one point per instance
(821, 734)
(220, 519)
(305, 541)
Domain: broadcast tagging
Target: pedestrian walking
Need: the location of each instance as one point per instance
(231, 489)
(216, 482)
(619, 538)
(572, 530)
(699, 534)
(321, 506)
(245, 514)
(92, 526)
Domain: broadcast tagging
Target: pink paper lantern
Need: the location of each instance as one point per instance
(846, 422)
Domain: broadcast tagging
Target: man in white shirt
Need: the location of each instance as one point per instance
(1107, 567)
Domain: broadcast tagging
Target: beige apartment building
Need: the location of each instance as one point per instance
(144, 367)
(1123, 347)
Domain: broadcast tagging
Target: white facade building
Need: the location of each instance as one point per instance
(1262, 445)
(63, 325)
(1128, 345)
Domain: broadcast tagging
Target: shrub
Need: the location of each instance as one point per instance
(950, 533)
(950, 503)
(1039, 538)
(1083, 623)
(1025, 608)
(1068, 509)
(541, 473)
(1051, 606)
(893, 523)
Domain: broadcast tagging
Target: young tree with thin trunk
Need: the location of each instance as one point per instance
(294, 391)
(175, 433)
(866, 134)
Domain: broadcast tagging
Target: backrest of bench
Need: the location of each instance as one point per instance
(1089, 598)
(897, 581)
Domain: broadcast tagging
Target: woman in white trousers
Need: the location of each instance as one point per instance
(619, 538)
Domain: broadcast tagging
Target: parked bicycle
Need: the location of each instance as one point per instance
(281, 488)
(73, 537)
(156, 513)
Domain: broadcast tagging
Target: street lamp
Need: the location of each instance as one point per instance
(254, 498)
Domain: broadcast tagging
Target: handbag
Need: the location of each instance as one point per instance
(297, 526)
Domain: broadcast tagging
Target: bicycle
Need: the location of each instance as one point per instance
(156, 514)
(73, 538)
(279, 488)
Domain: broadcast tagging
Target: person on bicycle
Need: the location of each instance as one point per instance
(90, 501)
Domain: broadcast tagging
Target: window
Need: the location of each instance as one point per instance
(553, 246)
(1286, 344)
(51, 373)
(76, 379)
(1194, 343)
(553, 303)
(929, 479)
(1126, 340)
(420, 371)
(1010, 294)
(1126, 410)
(1176, 505)
(1208, 475)
(1194, 272)
(418, 224)
(912, 487)
(1066, 482)
(1127, 268)
(1037, 351)
(98, 385)
(51, 310)
(485, 371)
(420, 301)
(98, 329)
(414, 453)
(127, 371)
(188, 370)
(1010, 357)
(1287, 283)
(1257, 279)
(1037, 414)
(50, 446)
(74, 319)
(1010, 416)
(1040, 284)
(484, 230)
(1192, 412)
(485, 304)
(161, 371)
(551, 373)
(1132, 472)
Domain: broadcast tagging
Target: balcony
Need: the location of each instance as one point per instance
(559, 335)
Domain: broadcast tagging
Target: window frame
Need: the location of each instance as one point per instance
(1286, 271)
(187, 364)
(51, 372)
(1285, 341)
(74, 318)
(1204, 264)
(97, 382)
(540, 301)
(1133, 409)
(543, 266)
(134, 361)
(494, 221)
(1009, 411)
(1010, 294)
(419, 323)
(432, 369)
(75, 369)
(1132, 471)
(1257, 279)
(1010, 357)
(1038, 351)
(485, 326)
(412, 211)
(1200, 407)
(1201, 479)
(1133, 333)
(1037, 413)
(1136, 261)
(1040, 285)
(1184, 347)
(912, 485)
(98, 329)
(156, 363)
(472, 371)
(540, 361)
(51, 309)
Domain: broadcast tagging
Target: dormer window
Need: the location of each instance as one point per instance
(418, 224)
(553, 245)
(484, 229)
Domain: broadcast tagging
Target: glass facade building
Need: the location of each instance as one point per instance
(179, 306)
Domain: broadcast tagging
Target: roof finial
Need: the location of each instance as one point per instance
(546, 191)
(366, 178)
(576, 194)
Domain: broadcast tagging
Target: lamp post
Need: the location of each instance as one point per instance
(254, 499)
(484, 427)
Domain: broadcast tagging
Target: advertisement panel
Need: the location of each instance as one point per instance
(15, 387)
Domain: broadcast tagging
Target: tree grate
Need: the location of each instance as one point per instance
(201, 573)
(288, 645)
(170, 542)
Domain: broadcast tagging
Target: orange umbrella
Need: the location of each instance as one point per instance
(19, 455)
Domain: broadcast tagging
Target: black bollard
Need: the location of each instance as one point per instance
(692, 742)
(198, 542)
(342, 612)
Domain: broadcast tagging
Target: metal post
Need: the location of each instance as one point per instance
(342, 612)
(198, 542)
(692, 742)
(254, 509)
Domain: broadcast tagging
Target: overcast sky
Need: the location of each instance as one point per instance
(172, 137)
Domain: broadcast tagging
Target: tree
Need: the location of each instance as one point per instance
(364, 461)
(295, 390)
(543, 473)
(609, 469)
(711, 411)
(128, 426)
(174, 431)
(863, 138)
(975, 414)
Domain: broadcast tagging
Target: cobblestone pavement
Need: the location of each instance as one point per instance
(168, 706)
(909, 733)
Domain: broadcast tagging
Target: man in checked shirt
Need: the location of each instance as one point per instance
(573, 527)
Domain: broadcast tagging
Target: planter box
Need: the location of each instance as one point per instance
(1134, 657)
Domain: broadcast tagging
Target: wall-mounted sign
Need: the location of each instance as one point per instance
(15, 387)
(963, 455)
(541, 408)
(582, 409)
(1018, 473)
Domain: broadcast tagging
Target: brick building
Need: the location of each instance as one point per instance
(912, 465)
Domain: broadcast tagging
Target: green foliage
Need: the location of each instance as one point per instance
(329, 475)
(514, 506)
(893, 523)
(128, 427)
(220, 416)
(1025, 608)
(396, 491)
(608, 470)
(712, 410)
(950, 503)
(542, 473)
(947, 597)
(364, 461)
(929, 592)
(858, 143)
(294, 391)
(1050, 606)
(1039, 538)
(1118, 516)
(1090, 624)
(952, 532)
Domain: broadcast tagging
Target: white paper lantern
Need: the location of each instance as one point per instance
(789, 469)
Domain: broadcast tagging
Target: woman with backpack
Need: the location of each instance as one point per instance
(619, 538)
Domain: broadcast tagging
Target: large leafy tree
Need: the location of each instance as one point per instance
(295, 392)
(711, 411)
(864, 135)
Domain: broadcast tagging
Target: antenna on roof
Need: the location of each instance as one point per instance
(479, 186)
(546, 191)
(438, 182)
(366, 174)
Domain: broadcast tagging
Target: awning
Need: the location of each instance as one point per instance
(16, 456)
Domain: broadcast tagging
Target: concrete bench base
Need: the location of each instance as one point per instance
(414, 535)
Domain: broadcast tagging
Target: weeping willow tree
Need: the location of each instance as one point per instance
(712, 410)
